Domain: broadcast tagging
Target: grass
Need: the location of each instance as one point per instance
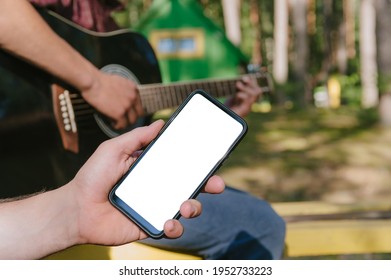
(338, 155)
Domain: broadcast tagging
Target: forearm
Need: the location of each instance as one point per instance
(25, 34)
(37, 226)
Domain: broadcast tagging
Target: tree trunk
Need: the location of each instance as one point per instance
(370, 96)
(300, 61)
(342, 55)
(383, 35)
(327, 38)
(231, 10)
(349, 11)
(280, 57)
(255, 16)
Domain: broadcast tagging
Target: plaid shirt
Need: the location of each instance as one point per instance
(90, 14)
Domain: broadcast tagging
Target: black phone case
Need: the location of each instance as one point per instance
(133, 215)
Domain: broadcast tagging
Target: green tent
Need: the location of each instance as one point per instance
(187, 43)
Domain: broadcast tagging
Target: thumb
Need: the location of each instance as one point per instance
(139, 137)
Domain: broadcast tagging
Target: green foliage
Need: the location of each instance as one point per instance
(134, 10)
(350, 89)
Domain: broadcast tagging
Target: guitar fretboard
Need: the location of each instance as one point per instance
(155, 97)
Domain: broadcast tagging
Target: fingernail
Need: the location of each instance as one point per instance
(170, 226)
(194, 210)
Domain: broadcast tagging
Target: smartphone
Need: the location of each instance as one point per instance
(174, 167)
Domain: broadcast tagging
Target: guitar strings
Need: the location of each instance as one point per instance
(155, 97)
(82, 110)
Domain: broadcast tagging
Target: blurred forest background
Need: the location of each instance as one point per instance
(324, 132)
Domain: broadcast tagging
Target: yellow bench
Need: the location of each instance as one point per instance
(319, 228)
(314, 228)
(132, 251)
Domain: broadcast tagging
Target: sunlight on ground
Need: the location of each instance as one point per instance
(332, 156)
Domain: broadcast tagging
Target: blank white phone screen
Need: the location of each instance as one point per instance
(178, 162)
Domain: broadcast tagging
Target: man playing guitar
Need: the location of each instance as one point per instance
(243, 226)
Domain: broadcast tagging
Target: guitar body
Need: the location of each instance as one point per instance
(32, 156)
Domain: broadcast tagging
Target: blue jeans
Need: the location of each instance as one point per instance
(233, 225)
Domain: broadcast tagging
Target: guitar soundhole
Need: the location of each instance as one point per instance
(104, 123)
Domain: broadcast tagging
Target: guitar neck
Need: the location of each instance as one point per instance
(156, 97)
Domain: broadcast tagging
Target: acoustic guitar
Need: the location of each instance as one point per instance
(47, 129)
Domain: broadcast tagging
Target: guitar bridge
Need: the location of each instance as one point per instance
(65, 118)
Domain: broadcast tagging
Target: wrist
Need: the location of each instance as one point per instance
(62, 221)
(88, 80)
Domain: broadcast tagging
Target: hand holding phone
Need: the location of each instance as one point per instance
(176, 165)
